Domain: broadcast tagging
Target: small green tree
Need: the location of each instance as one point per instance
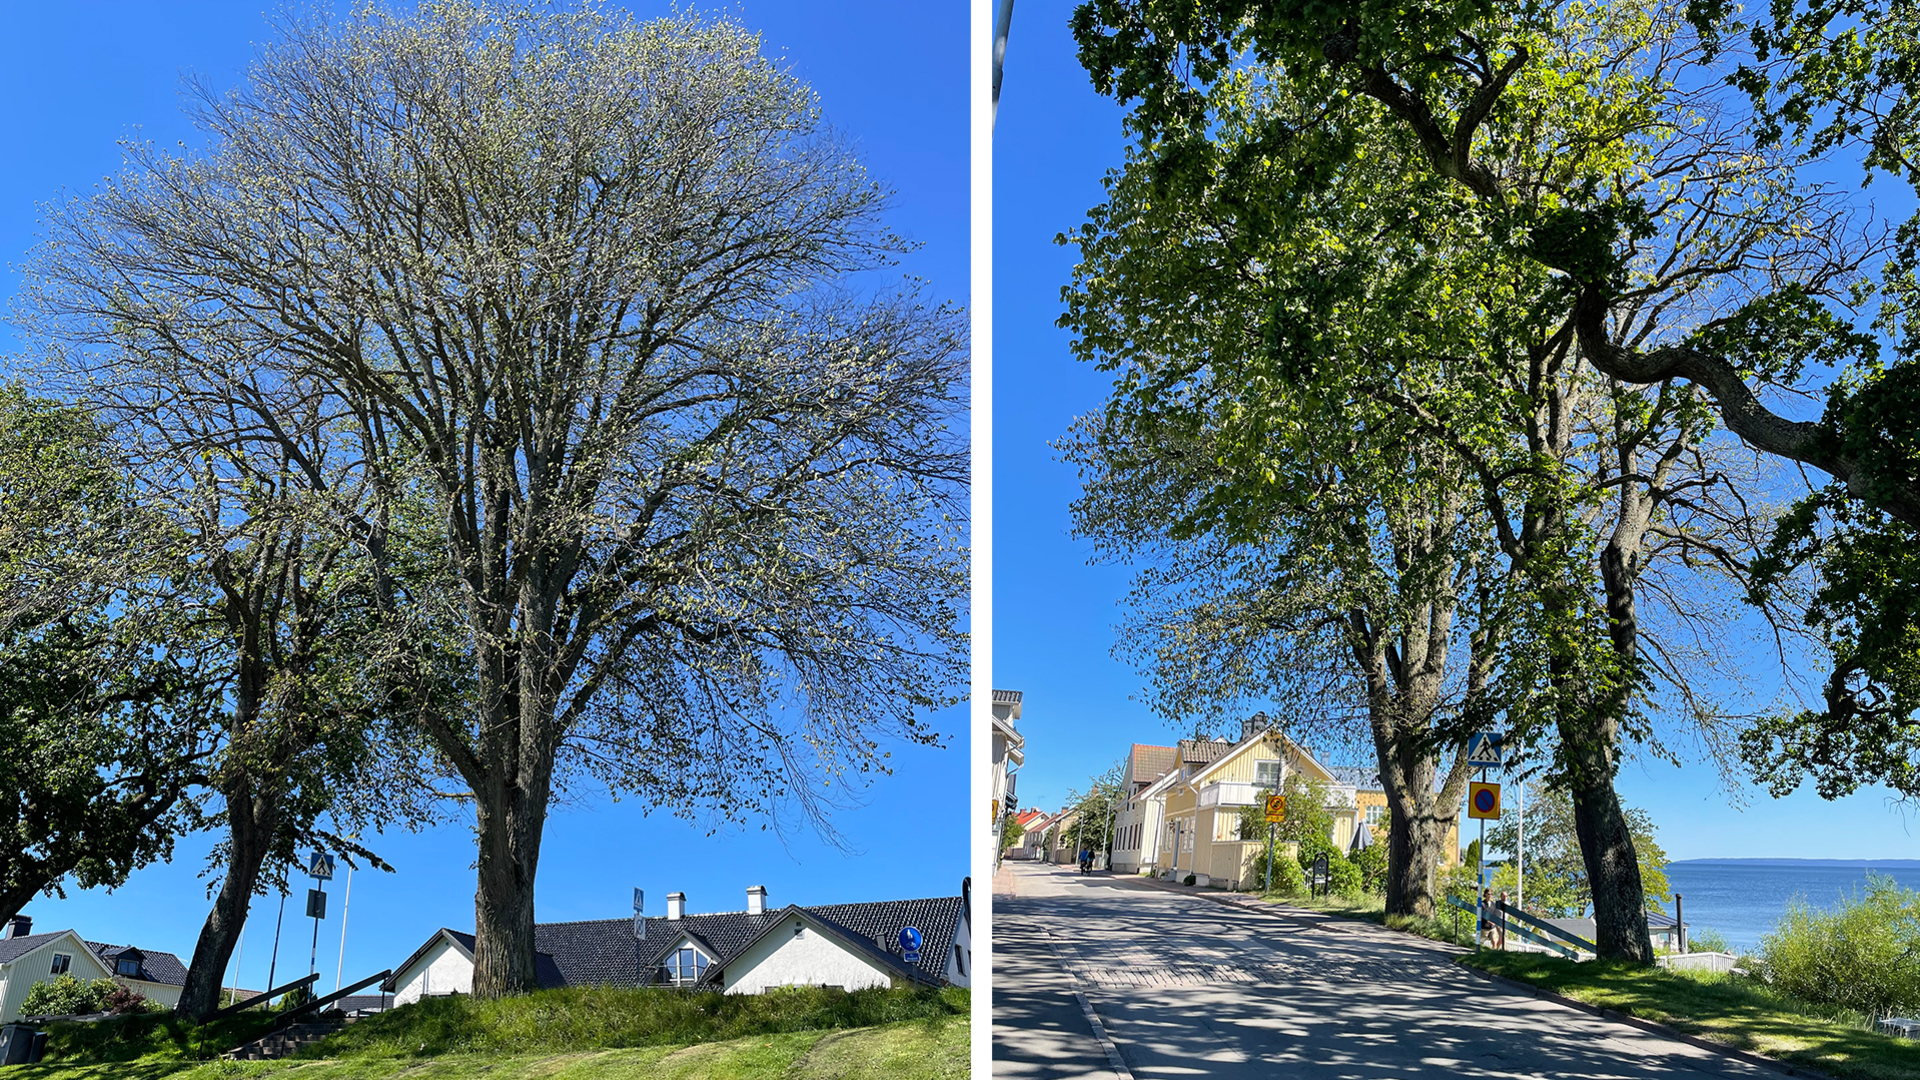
(1556, 873)
(1011, 834)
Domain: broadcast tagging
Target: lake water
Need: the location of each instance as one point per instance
(1743, 899)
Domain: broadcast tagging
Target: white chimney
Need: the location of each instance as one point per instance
(756, 899)
(676, 905)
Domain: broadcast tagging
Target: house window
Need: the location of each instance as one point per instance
(61, 962)
(684, 966)
(1376, 814)
(129, 968)
(1267, 774)
(959, 960)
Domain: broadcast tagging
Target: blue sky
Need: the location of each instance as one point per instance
(893, 78)
(1054, 613)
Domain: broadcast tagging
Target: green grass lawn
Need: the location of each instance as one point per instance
(1728, 1009)
(906, 1034)
(935, 1048)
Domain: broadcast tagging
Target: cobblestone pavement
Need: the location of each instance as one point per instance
(1189, 987)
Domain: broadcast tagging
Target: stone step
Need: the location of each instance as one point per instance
(285, 1041)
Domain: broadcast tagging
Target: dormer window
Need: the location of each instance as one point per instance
(684, 966)
(129, 968)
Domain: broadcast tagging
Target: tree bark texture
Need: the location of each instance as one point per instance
(252, 819)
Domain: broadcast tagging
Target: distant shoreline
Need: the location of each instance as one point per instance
(1869, 864)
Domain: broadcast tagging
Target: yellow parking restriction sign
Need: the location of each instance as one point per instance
(1483, 801)
(1276, 809)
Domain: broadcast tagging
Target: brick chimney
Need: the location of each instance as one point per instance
(676, 906)
(756, 899)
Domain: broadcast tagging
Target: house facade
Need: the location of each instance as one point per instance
(1137, 825)
(1008, 755)
(1200, 828)
(27, 958)
(1370, 804)
(848, 946)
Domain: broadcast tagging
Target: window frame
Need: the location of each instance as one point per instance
(674, 965)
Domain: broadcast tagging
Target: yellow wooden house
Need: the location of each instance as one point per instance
(1201, 822)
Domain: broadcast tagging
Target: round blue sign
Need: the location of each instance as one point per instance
(1484, 801)
(909, 939)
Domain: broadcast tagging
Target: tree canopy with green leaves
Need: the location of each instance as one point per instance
(103, 712)
(1450, 80)
(590, 290)
(1546, 240)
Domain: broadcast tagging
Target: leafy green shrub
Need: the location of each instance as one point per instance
(1342, 876)
(1371, 862)
(125, 1000)
(1287, 878)
(1864, 954)
(1188, 880)
(67, 996)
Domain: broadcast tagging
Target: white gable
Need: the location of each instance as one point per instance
(797, 954)
(36, 966)
(445, 968)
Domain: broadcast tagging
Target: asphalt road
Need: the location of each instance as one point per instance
(1188, 987)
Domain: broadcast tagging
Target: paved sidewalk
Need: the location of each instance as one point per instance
(1189, 987)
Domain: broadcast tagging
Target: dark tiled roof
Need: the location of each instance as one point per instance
(937, 920)
(158, 967)
(1006, 697)
(603, 952)
(15, 947)
(356, 1002)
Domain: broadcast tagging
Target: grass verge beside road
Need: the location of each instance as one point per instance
(1441, 927)
(931, 1049)
(1728, 1009)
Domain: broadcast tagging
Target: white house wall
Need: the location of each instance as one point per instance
(810, 958)
(36, 966)
(443, 970)
(960, 957)
(164, 993)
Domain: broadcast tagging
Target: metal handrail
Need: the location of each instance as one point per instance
(316, 1003)
(1571, 952)
(262, 996)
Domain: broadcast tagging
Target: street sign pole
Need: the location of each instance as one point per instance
(1270, 831)
(274, 963)
(1480, 894)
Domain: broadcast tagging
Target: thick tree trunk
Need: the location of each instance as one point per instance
(1613, 872)
(512, 814)
(1417, 833)
(251, 820)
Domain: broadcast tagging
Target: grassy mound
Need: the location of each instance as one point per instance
(930, 1049)
(580, 1018)
(1728, 1009)
(161, 1036)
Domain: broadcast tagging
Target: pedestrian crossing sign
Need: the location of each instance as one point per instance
(1483, 801)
